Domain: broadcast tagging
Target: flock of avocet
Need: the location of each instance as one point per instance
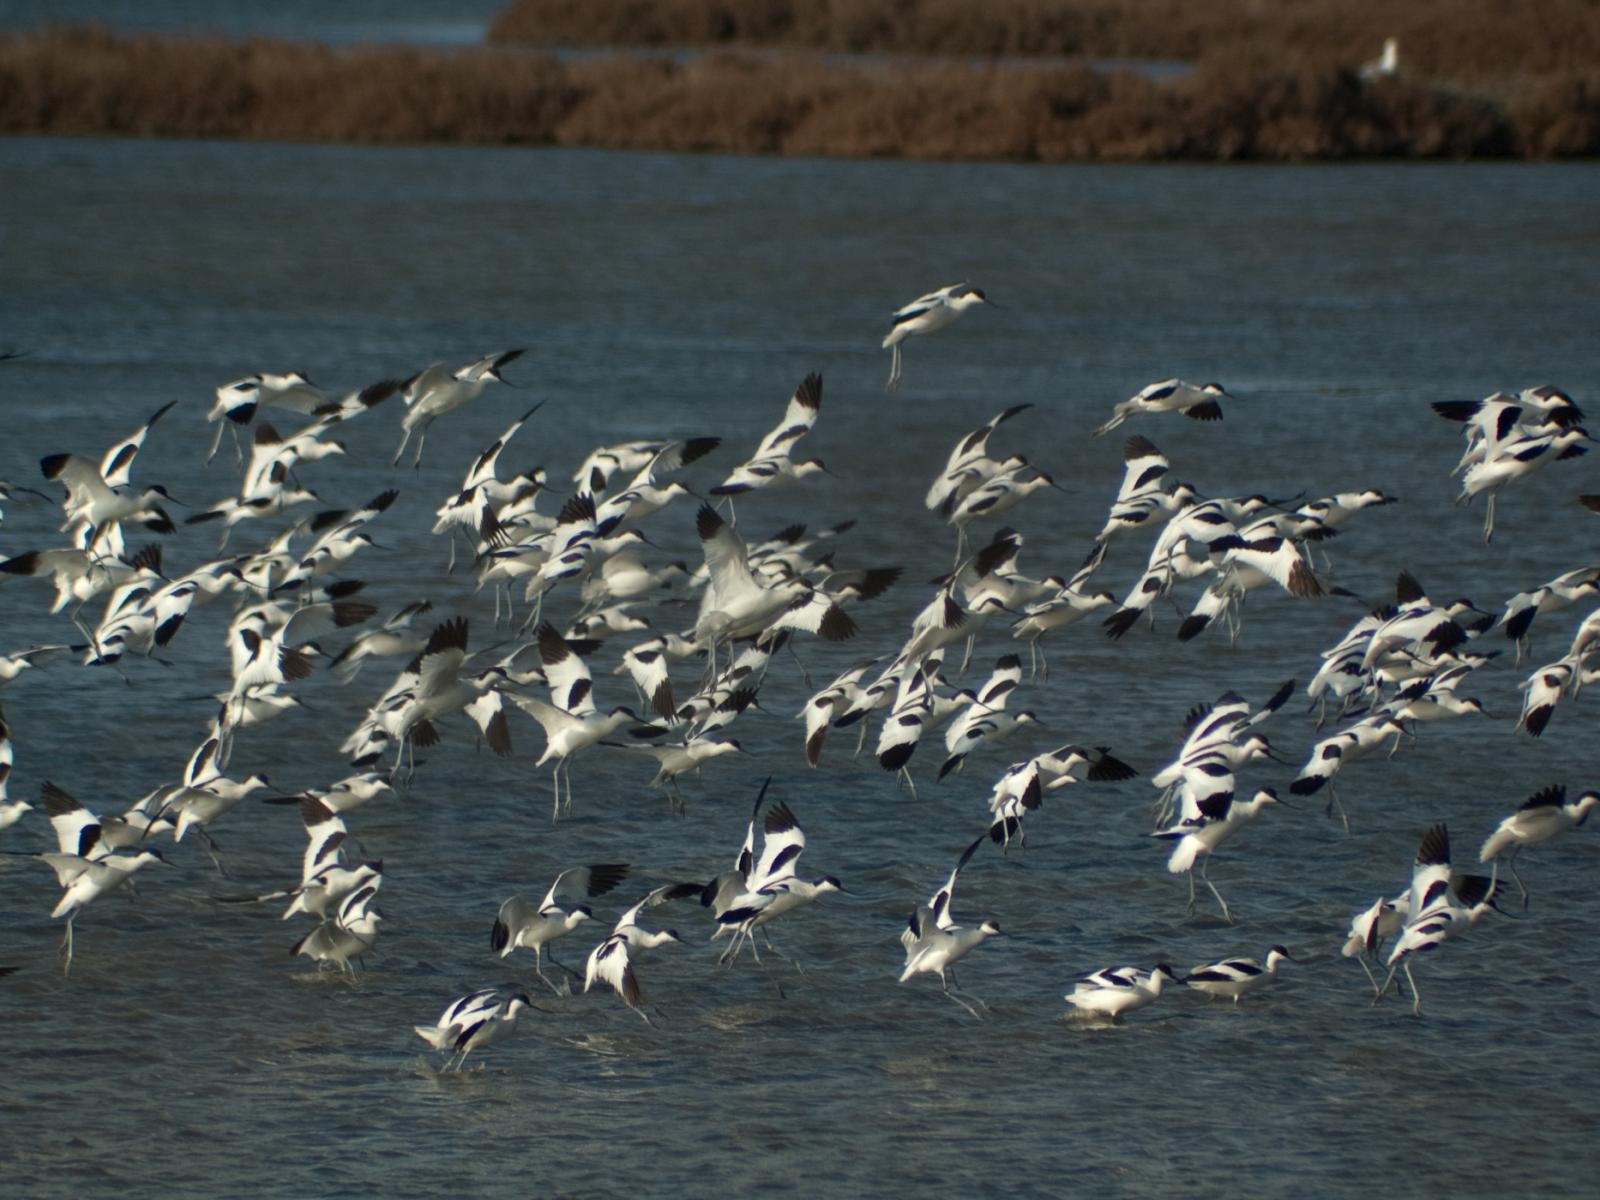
(1398, 666)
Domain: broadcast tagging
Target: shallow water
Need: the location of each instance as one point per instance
(662, 296)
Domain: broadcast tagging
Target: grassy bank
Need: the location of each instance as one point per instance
(1450, 41)
(92, 82)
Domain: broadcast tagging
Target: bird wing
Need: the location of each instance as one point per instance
(117, 465)
(325, 836)
(594, 879)
(1430, 875)
(487, 366)
(798, 418)
(77, 829)
(781, 843)
(483, 467)
(923, 304)
(976, 444)
(514, 915)
(727, 559)
(489, 713)
(939, 903)
(609, 963)
(662, 895)
(571, 685)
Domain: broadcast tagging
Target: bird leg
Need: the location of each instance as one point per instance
(1511, 865)
(894, 370)
(958, 999)
(66, 948)
(1488, 521)
(967, 657)
(213, 850)
(772, 946)
(1333, 803)
(1373, 979)
(554, 961)
(1226, 915)
(804, 674)
(1190, 907)
(905, 775)
(1416, 996)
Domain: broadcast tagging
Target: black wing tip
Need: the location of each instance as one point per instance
(1434, 849)
(1118, 623)
(708, 522)
(1406, 588)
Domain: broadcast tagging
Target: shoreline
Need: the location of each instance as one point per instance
(88, 81)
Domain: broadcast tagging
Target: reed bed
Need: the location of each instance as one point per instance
(1452, 41)
(88, 81)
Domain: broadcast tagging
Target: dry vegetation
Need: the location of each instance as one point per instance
(91, 82)
(1457, 41)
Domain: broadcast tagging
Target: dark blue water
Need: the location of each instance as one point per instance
(187, 1051)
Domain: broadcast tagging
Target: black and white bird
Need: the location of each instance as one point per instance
(773, 461)
(1441, 905)
(771, 887)
(611, 962)
(1170, 395)
(969, 465)
(926, 314)
(435, 391)
(473, 1022)
(1337, 751)
(521, 926)
(1218, 819)
(1547, 687)
(934, 942)
(348, 932)
(100, 496)
(1515, 459)
(570, 720)
(1565, 589)
(1542, 816)
(85, 867)
(1235, 977)
(1115, 991)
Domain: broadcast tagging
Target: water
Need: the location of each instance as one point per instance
(418, 22)
(187, 1051)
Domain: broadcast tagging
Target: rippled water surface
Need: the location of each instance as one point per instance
(187, 1052)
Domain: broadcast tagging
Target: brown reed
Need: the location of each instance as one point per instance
(1461, 41)
(87, 81)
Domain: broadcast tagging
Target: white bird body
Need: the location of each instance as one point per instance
(1116, 991)
(1514, 459)
(348, 934)
(1169, 395)
(926, 314)
(1386, 64)
(522, 926)
(969, 464)
(611, 962)
(1542, 816)
(934, 942)
(435, 391)
(1236, 977)
(84, 880)
(472, 1022)
(773, 461)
